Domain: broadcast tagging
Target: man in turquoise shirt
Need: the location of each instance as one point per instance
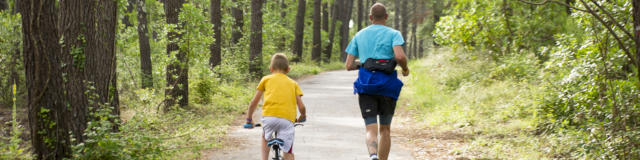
(377, 41)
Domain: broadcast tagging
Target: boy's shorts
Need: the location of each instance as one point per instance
(372, 106)
(283, 127)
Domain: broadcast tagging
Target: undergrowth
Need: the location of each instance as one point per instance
(491, 102)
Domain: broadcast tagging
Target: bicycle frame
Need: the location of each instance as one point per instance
(275, 145)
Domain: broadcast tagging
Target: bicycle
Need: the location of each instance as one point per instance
(276, 143)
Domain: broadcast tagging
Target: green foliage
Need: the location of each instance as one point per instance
(102, 143)
(196, 33)
(10, 46)
(587, 89)
(501, 29)
(454, 92)
(219, 95)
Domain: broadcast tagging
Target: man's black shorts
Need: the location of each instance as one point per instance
(373, 105)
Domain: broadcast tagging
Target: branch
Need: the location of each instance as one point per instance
(626, 51)
(552, 1)
(614, 20)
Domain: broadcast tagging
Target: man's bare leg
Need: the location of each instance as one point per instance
(372, 138)
(265, 149)
(288, 156)
(385, 142)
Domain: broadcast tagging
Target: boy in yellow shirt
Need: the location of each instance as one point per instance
(281, 96)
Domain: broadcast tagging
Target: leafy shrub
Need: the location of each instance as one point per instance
(102, 143)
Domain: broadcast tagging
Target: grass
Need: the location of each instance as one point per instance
(459, 92)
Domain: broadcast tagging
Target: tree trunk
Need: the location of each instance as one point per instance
(299, 32)
(216, 19)
(398, 12)
(506, 10)
(414, 29)
(359, 15)
(325, 16)
(344, 29)
(317, 41)
(420, 49)
(404, 21)
(177, 91)
(636, 24)
(365, 13)
(145, 48)
(238, 16)
(255, 55)
(45, 93)
(3, 5)
(332, 30)
(283, 14)
(89, 52)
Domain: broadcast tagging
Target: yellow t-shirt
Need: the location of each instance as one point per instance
(279, 96)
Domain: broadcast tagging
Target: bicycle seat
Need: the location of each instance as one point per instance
(278, 141)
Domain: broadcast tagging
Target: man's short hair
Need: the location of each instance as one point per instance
(279, 62)
(378, 11)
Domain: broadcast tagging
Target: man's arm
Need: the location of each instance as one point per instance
(349, 64)
(402, 59)
(254, 104)
(301, 108)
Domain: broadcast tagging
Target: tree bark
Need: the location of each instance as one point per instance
(177, 91)
(3, 5)
(216, 19)
(398, 12)
(404, 21)
(420, 49)
(344, 29)
(317, 40)
(145, 48)
(325, 16)
(299, 32)
(359, 15)
(238, 16)
(365, 13)
(332, 30)
(414, 30)
(89, 54)
(283, 14)
(46, 100)
(255, 55)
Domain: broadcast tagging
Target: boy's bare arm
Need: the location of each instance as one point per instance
(254, 104)
(301, 108)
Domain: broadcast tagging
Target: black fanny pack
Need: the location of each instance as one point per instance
(383, 65)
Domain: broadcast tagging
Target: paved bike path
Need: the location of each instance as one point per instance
(334, 128)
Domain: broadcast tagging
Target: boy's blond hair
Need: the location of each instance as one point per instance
(279, 62)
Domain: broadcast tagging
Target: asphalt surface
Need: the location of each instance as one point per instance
(334, 128)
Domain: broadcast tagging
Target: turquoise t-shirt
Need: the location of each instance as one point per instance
(375, 41)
